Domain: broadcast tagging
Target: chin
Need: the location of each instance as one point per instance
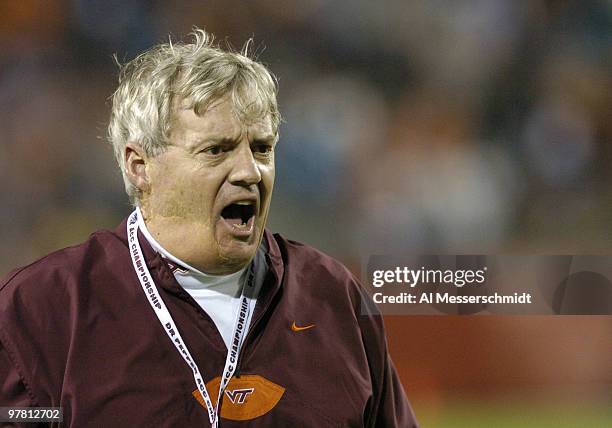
(236, 255)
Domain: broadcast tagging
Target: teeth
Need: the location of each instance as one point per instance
(244, 203)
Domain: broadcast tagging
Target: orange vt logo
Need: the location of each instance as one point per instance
(298, 328)
(239, 395)
(247, 397)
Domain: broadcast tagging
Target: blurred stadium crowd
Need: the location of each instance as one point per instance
(476, 126)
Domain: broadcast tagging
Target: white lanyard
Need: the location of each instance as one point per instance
(241, 323)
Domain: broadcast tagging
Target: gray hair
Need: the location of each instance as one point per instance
(196, 73)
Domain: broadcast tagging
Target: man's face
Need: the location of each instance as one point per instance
(210, 191)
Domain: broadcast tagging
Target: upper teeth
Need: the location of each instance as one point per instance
(244, 203)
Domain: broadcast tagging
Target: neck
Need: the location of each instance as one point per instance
(176, 244)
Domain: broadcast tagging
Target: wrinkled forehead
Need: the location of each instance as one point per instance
(220, 118)
(251, 112)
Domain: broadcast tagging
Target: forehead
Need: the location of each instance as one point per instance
(218, 120)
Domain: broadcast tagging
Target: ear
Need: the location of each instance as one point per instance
(136, 160)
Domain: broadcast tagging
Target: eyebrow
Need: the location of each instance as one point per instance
(216, 140)
(265, 139)
(229, 140)
(268, 138)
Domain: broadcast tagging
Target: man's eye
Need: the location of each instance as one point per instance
(262, 148)
(213, 150)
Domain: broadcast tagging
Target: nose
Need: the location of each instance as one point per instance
(245, 171)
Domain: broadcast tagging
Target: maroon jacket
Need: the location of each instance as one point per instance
(77, 331)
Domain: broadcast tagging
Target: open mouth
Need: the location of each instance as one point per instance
(240, 214)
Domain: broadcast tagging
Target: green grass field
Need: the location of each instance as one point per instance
(473, 414)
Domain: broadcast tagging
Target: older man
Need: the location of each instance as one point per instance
(190, 298)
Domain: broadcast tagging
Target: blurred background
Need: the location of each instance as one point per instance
(439, 126)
